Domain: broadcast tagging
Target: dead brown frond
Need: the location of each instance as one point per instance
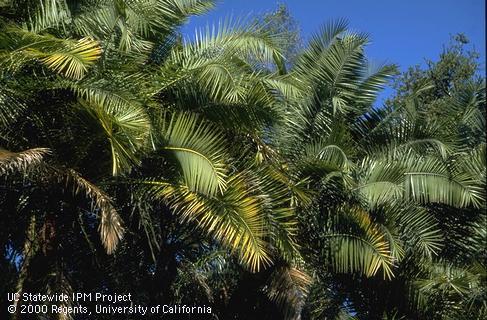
(23, 161)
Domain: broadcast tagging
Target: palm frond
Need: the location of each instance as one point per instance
(136, 25)
(418, 228)
(111, 228)
(428, 146)
(236, 218)
(23, 161)
(373, 81)
(124, 121)
(288, 287)
(430, 180)
(72, 61)
(192, 7)
(10, 107)
(329, 155)
(448, 280)
(380, 180)
(365, 251)
(244, 40)
(50, 14)
(65, 56)
(199, 150)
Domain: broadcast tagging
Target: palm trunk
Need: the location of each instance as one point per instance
(30, 249)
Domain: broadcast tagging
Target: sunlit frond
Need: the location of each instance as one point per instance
(50, 14)
(380, 180)
(430, 180)
(200, 151)
(244, 40)
(236, 218)
(72, 58)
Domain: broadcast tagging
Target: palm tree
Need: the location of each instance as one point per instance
(376, 172)
(104, 107)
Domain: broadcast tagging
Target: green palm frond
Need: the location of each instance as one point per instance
(418, 228)
(459, 191)
(380, 180)
(244, 40)
(199, 149)
(365, 250)
(327, 35)
(430, 180)
(192, 7)
(136, 25)
(217, 66)
(447, 279)
(372, 82)
(10, 107)
(50, 14)
(470, 105)
(124, 121)
(475, 163)
(327, 155)
(428, 146)
(334, 67)
(73, 61)
(236, 218)
(72, 58)
(279, 196)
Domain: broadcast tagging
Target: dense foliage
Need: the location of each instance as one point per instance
(236, 169)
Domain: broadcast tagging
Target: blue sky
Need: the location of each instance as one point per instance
(404, 32)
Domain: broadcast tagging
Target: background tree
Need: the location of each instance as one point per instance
(424, 153)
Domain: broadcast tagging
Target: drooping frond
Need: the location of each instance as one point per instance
(418, 228)
(288, 287)
(236, 218)
(50, 14)
(72, 58)
(380, 180)
(362, 247)
(244, 40)
(428, 146)
(124, 121)
(280, 195)
(199, 149)
(469, 104)
(23, 161)
(430, 180)
(327, 155)
(110, 228)
(474, 163)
